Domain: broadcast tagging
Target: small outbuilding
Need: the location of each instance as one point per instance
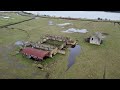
(96, 38)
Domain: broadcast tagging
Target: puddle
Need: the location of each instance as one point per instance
(73, 30)
(6, 17)
(75, 51)
(19, 43)
(64, 24)
(50, 23)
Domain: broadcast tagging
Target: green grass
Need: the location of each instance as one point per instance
(9, 36)
(13, 18)
(54, 43)
(89, 64)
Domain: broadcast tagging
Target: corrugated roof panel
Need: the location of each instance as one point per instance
(35, 52)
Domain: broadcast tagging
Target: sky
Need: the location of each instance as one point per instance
(80, 14)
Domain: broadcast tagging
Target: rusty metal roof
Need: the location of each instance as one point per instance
(35, 52)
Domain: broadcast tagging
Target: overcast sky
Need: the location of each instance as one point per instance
(80, 14)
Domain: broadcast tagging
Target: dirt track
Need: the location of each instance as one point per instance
(4, 26)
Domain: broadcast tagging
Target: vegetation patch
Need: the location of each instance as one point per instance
(54, 43)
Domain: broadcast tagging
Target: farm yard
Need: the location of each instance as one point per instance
(93, 62)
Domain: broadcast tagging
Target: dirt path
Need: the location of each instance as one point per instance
(28, 35)
(4, 26)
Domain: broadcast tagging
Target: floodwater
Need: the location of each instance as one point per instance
(80, 14)
(73, 30)
(74, 52)
(64, 24)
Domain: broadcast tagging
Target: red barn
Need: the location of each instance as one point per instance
(34, 53)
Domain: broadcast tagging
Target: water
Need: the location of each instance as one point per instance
(6, 17)
(19, 43)
(73, 53)
(73, 30)
(64, 24)
(80, 14)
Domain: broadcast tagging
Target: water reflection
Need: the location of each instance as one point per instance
(74, 51)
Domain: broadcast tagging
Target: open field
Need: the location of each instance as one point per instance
(94, 62)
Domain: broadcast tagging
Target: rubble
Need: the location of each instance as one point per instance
(51, 44)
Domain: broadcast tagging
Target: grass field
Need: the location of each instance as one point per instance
(94, 62)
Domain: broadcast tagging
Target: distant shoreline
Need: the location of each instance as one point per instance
(113, 11)
(109, 15)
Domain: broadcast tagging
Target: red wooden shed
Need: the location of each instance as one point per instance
(35, 53)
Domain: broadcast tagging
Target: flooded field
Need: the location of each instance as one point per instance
(97, 62)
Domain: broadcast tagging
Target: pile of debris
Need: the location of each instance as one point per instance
(66, 40)
(49, 45)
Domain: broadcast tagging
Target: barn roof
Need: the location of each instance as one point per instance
(35, 52)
